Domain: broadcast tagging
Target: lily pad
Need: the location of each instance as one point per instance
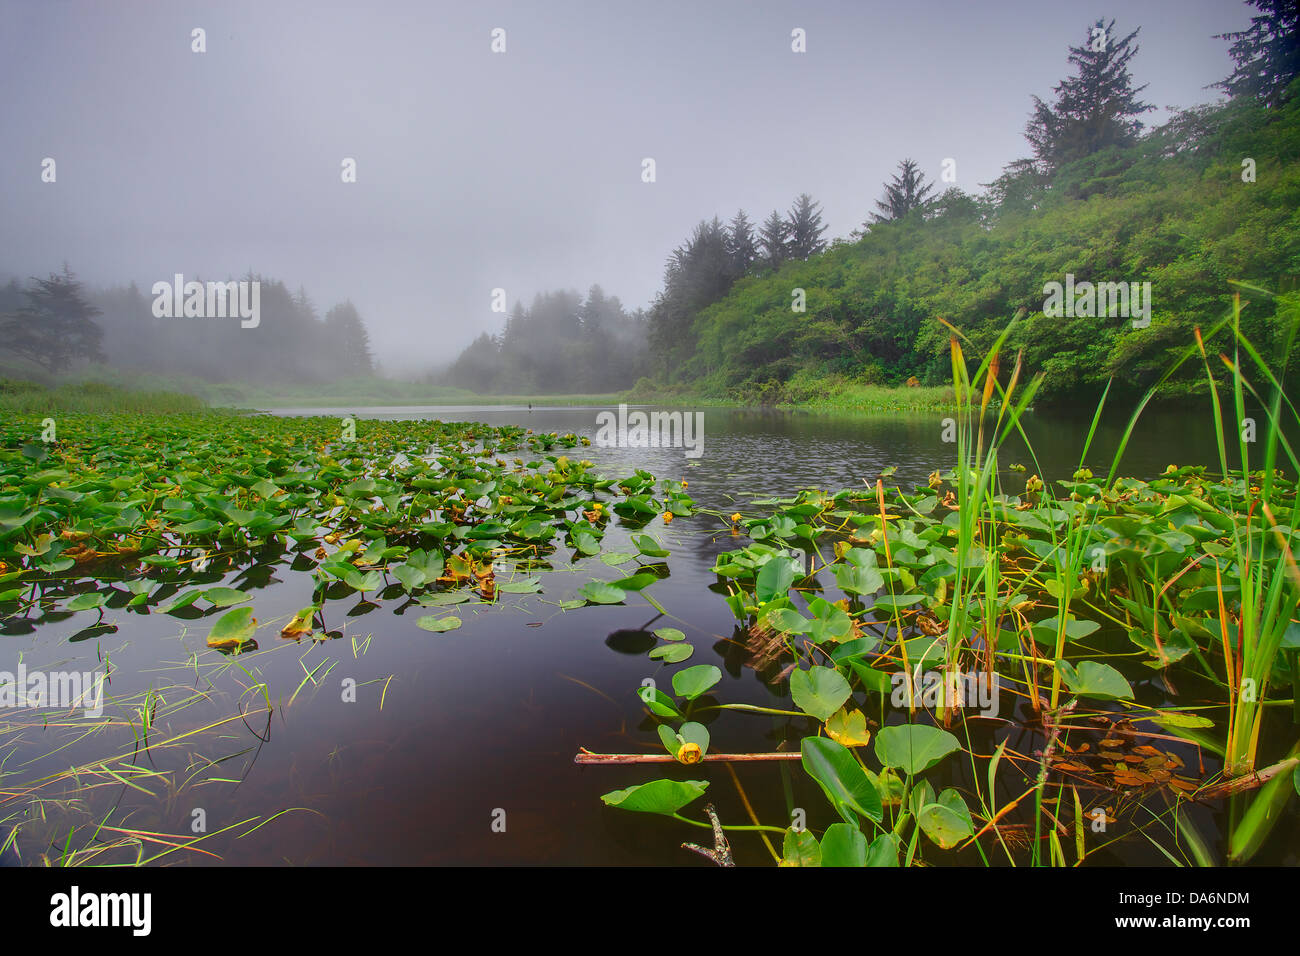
(819, 691)
(657, 796)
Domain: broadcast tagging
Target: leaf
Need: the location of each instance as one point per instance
(848, 727)
(437, 624)
(529, 585)
(948, 821)
(819, 691)
(690, 733)
(913, 748)
(889, 603)
(841, 778)
(442, 598)
(657, 796)
(799, 848)
(84, 602)
(670, 634)
(598, 592)
(1094, 679)
(858, 580)
(1044, 632)
(843, 845)
(788, 621)
(883, 851)
(694, 681)
(672, 653)
(615, 558)
(774, 579)
(1175, 718)
(409, 576)
(182, 601)
(586, 542)
(648, 546)
(225, 597)
(301, 623)
(233, 628)
(659, 703)
(636, 582)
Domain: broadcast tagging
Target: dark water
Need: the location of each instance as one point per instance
(487, 718)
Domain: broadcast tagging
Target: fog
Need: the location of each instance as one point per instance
(519, 170)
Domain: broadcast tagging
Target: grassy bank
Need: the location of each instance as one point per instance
(825, 394)
(31, 398)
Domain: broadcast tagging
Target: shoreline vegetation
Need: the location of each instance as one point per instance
(19, 396)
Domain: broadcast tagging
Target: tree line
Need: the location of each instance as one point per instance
(48, 326)
(562, 342)
(1100, 196)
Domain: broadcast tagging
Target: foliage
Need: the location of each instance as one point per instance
(561, 343)
(1267, 53)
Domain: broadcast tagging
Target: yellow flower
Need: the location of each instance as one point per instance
(690, 753)
(668, 517)
(735, 518)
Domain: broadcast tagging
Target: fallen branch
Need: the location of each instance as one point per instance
(586, 756)
(721, 852)
(1248, 782)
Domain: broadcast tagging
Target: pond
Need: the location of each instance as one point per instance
(394, 745)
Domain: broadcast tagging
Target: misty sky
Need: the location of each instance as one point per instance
(519, 170)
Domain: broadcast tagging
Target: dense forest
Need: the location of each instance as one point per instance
(1210, 197)
(53, 325)
(560, 343)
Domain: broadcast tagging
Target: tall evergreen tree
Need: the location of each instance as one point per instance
(742, 248)
(805, 221)
(773, 239)
(697, 274)
(56, 327)
(907, 192)
(1267, 54)
(350, 341)
(1095, 108)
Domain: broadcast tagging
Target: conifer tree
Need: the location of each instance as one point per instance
(805, 222)
(1096, 108)
(907, 192)
(1267, 54)
(773, 239)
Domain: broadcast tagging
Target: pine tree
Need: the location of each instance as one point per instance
(805, 222)
(742, 249)
(1095, 108)
(907, 192)
(773, 239)
(56, 327)
(1267, 54)
(351, 342)
(697, 274)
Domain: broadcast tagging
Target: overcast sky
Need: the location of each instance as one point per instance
(519, 170)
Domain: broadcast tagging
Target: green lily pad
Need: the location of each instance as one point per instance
(913, 748)
(657, 796)
(437, 624)
(819, 691)
(672, 653)
(841, 778)
(1094, 679)
(233, 628)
